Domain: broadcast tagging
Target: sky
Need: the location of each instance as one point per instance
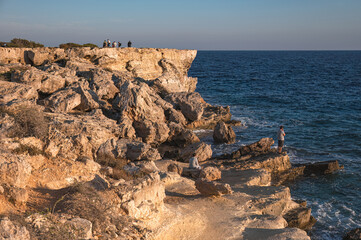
(188, 24)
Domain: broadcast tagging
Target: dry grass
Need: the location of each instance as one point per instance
(29, 122)
(31, 150)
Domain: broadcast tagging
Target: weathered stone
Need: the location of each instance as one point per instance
(223, 133)
(300, 217)
(42, 81)
(181, 137)
(190, 104)
(60, 225)
(11, 231)
(261, 147)
(321, 168)
(10, 91)
(77, 96)
(271, 162)
(143, 197)
(137, 151)
(126, 129)
(272, 234)
(102, 84)
(191, 172)
(210, 188)
(210, 173)
(82, 227)
(173, 167)
(354, 234)
(172, 80)
(175, 116)
(14, 170)
(288, 175)
(19, 196)
(140, 168)
(202, 150)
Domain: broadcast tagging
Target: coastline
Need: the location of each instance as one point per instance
(255, 210)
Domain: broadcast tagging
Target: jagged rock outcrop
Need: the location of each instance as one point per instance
(12, 92)
(144, 63)
(202, 150)
(223, 133)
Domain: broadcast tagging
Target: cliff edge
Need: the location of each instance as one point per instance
(95, 144)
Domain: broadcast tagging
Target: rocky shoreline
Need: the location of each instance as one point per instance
(95, 145)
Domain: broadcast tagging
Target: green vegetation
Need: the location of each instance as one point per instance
(75, 45)
(21, 43)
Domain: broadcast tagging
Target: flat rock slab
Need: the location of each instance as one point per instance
(275, 234)
(249, 177)
(321, 168)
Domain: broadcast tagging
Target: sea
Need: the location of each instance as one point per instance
(316, 96)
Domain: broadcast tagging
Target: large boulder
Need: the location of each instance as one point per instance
(140, 104)
(202, 150)
(137, 151)
(190, 104)
(321, 168)
(172, 80)
(76, 96)
(210, 188)
(180, 136)
(300, 217)
(101, 82)
(223, 133)
(142, 198)
(210, 173)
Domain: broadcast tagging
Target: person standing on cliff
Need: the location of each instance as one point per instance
(193, 162)
(129, 44)
(281, 138)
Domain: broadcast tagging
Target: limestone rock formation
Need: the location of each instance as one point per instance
(210, 173)
(142, 199)
(211, 188)
(202, 150)
(10, 92)
(223, 133)
(11, 231)
(14, 170)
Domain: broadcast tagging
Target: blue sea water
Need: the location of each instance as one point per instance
(316, 95)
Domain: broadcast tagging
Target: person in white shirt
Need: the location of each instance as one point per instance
(193, 162)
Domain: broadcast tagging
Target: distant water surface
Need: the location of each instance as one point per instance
(316, 95)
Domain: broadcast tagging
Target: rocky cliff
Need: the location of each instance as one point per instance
(97, 139)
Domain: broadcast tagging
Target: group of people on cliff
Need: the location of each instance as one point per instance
(108, 43)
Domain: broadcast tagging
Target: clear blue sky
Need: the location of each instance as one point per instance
(191, 24)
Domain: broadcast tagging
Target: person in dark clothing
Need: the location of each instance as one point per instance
(119, 44)
(105, 43)
(281, 139)
(129, 44)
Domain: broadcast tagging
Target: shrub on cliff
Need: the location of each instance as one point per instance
(75, 45)
(29, 122)
(23, 43)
